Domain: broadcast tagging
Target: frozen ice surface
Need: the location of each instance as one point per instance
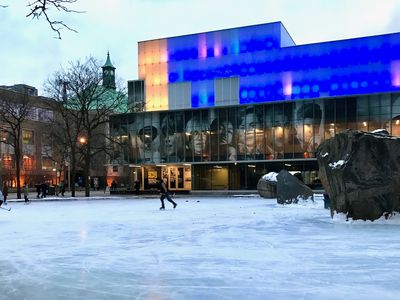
(208, 248)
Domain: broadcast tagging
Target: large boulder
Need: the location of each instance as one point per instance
(290, 189)
(360, 172)
(266, 186)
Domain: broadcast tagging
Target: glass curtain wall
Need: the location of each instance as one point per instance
(289, 130)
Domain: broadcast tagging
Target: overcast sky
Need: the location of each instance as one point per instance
(29, 53)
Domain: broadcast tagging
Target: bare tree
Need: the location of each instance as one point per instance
(66, 126)
(14, 111)
(86, 105)
(41, 8)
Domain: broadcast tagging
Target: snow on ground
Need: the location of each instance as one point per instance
(208, 248)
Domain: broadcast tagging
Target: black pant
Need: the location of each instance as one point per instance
(168, 196)
(26, 198)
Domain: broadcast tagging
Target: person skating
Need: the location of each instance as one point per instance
(5, 192)
(44, 188)
(137, 187)
(165, 194)
(38, 190)
(25, 190)
(62, 188)
(1, 202)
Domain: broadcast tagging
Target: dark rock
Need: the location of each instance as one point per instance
(290, 189)
(266, 186)
(360, 172)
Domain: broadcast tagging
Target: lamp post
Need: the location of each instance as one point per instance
(55, 173)
(83, 142)
(68, 165)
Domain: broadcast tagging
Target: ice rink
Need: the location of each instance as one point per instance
(207, 248)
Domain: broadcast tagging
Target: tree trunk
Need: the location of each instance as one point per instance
(18, 173)
(73, 172)
(87, 171)
(17, 151)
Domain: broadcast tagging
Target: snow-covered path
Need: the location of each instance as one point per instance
(221, 248)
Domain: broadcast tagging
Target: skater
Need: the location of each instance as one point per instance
(1, 201)
(113, 186)
(44, 188)
(38, 190)
(137, 187)
(164, 194)
(57, 189)
(25, 190)
(5, 192)
(62, 188)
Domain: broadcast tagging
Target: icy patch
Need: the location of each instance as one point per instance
(337, 164)
(271, 176)
(391, 220)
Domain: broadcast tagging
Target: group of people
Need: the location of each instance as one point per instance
(42, 189)
(4, 193)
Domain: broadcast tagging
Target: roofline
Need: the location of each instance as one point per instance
(225, 29)
(343, 40)
(270, 23)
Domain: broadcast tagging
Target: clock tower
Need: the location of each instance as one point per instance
(108, 73)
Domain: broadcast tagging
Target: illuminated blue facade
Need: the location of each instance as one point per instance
(272, 68)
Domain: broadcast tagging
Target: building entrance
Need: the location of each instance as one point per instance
(179, 177)
(176, 178)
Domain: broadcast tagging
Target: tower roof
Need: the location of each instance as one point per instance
(108, 63)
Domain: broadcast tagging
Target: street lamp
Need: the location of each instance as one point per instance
(82, 140)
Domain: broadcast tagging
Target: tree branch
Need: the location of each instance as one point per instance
(40, 8)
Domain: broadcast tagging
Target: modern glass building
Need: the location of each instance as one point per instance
(217, 110)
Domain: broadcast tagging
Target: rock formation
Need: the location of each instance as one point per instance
(360, 172)
(266, 186)
(290, 189)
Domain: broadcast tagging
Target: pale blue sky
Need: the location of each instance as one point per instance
(29, 53)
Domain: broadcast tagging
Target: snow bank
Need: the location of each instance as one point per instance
(392, 220)
(271, 176)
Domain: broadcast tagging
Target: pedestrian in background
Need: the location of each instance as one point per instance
(25, 190)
